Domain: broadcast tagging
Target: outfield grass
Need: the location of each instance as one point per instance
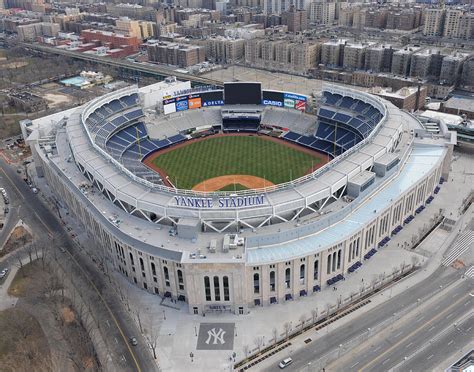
(218, 156)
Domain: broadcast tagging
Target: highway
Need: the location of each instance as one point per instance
(407, 336)
(449, 343)
(310, 355)
(95, 288)
(158, 71)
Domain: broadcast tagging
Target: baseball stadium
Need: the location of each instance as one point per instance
(231, 197)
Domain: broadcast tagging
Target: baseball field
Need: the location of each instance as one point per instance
(233, 162)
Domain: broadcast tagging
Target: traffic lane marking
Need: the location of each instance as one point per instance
(365, 367)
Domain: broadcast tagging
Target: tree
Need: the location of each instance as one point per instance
(258, 341)
(152, 339)
(274, 334)
(314, 314)
(287, 329)
(302, 320)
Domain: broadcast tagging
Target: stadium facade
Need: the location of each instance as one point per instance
(230, 251)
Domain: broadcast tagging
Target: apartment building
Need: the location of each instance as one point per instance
(354, 56)
(401, 61)
(378, 58)
(332, 52)
(434, 19)
(322, 12)
(182, 55)
(295, 19)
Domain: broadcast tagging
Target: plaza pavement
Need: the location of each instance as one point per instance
(176, 329)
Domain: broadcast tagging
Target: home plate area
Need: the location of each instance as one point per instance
(216, 336)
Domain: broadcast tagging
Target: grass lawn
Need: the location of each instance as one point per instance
(234, 187)
(189, 165)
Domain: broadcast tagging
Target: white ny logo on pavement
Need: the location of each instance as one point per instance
(218, 336)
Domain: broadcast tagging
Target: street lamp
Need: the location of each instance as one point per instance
(191, 355)
(195, 331)
(164, 315)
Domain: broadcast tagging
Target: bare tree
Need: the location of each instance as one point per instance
(302, 320)
(314, 314)
(152, 338)
(246, 350)
(275, 334)
(258, 341)
(287, 329)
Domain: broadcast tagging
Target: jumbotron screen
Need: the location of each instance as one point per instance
(242, 93)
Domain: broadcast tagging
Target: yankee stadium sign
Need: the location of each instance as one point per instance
(222, 202)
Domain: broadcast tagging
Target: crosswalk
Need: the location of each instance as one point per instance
(464, 241)
(470, 272)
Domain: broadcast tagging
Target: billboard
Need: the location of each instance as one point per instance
(242, 93)
(169, 108)
(296, 101)
(182, 105)
(271, 98)
(213, 98)
(194, 103)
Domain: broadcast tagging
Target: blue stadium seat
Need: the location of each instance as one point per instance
(134, 114)
(325, 113)
(343, 118)
(119, 121)
(346, 102)
(306, 140)
(292, 136)
(130, 100)
(114, 106)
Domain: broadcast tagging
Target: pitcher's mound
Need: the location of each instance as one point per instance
(218, 183)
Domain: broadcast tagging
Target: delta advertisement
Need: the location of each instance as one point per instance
(192, 101)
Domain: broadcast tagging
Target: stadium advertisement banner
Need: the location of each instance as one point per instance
(271, 98)
(296, 101)
(213, 98)
(194, 103)
(169, 108)
(182, 105)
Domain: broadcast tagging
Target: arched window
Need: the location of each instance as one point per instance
(165, 271)
(180, 277)
(153, 268)
(131, 259)
(288, 278)
(225, 281)
(334, 258)
(316, 270)
(302, 273)
(272, 281)
(329, 264)
(207, 288)
(339, 256)
(217, 290)
(142, 266)
(256, 283)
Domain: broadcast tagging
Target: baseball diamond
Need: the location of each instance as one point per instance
(252, 155)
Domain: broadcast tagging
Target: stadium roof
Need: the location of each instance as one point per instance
(420, 161)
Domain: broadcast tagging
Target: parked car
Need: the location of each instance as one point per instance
(285, 363)
(3, 273)
(133, 341)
